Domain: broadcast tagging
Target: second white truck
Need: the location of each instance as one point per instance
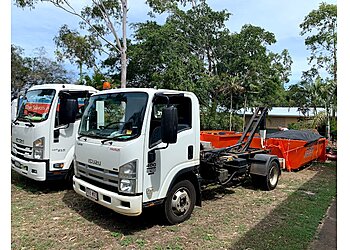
(44, 130)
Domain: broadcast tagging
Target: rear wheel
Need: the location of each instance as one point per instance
(268, 182)
(180, 202)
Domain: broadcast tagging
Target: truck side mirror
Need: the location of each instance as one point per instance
(169, 125)
(68, 110)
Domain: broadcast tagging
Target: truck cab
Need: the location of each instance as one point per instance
(43, 132)
(134, 146)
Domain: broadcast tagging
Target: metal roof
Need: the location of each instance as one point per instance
(285, 111)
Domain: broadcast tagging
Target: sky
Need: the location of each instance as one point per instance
(31, 29)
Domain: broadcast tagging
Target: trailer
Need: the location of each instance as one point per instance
(295, 149)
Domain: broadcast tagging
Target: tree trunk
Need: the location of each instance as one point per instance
(80, 72)
(124, 48)
(123, 68)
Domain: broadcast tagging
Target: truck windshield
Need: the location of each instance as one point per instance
(35, 105)
(117, 116)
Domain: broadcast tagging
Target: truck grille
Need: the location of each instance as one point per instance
(22, 150)
(98, 175)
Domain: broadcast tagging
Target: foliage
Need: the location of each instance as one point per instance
(39, 69)
(321, 27)
(220, 121)
(195, 51)
(19, 68)
(260, 72)
(302, 125)
(161, 6)
(97, 80)
(296, 95)
(176, 54)
(100, 19)
(76, 48)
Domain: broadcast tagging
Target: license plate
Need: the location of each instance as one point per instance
(91, 194)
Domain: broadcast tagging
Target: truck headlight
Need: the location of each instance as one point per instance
(127, 186)
(127, 178)
(38, 148)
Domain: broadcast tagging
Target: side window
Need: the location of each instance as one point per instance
(184, 109)
(81, 97)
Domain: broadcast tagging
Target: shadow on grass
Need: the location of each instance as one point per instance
(110, 220)
(215, 192)
(293, 224)
(150, 217)
(127, 225)
(39, 187)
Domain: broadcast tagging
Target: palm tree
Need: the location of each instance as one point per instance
(233, 87)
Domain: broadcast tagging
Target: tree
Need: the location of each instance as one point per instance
(39, 69)
(297, 95)
(44, 70)
(320, 26)
(195, 51)
(160, 6)
(100, 20)
(19, 69)
(260, 72)
(180, 53)
(77, 48)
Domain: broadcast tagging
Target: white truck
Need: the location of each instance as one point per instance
(42, 136)
(141, 147)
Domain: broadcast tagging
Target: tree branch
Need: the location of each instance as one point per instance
(109, 23)
(73, 12)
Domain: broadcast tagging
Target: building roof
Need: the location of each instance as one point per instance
(285, 111)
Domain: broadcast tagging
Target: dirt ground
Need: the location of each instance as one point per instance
(51, 216)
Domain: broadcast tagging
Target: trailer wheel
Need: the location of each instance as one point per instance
(270, 181)
(180, 202)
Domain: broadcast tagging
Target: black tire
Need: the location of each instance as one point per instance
(180, 202)
(270, 181)
(257, 180)
(69, 176)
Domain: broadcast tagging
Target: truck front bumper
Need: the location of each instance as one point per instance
(126, 205)
(32, 169)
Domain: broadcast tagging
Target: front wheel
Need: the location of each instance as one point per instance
(180, 202)
(69, 175)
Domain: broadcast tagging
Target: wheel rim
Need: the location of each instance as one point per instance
(180, 202)
(273, 175)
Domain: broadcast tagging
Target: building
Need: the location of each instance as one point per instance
(282, 116)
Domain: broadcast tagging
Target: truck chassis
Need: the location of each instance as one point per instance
(223, 166)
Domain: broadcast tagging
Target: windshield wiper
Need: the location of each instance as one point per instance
(30, 122)
(80, 136)
(115, 137)
(15, 121)
(24, 119)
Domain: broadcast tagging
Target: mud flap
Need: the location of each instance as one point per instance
(260, 164)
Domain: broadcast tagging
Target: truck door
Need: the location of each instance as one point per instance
(163, 162)
(63, 136)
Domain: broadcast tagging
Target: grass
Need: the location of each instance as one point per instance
(46, 216)
(292, 225)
